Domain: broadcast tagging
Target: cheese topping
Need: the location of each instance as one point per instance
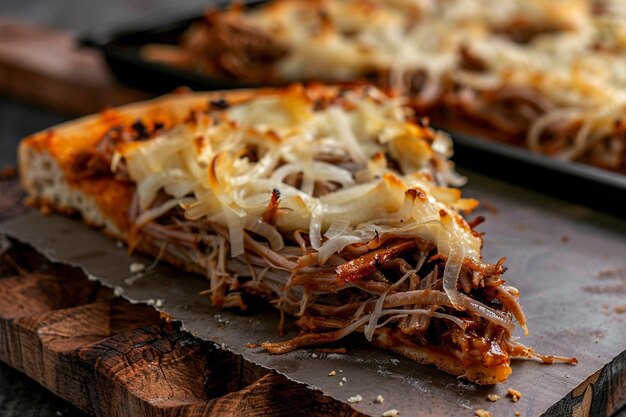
(332, 168)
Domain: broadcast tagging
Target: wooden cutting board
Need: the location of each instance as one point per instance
(47, 68)
(111, 358)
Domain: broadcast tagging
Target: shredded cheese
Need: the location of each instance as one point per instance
(226, 172)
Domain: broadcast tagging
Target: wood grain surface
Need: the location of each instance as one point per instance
(112, 358)
(46, 67)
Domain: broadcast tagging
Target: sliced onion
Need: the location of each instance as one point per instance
(494, 316)
(158, 211)
(335, 245)
(407, 231)
(324, 171)
(344, 132)
(150, 185)
(337, 228)
(258, 226)
(260, 169)
(286, 170)
(235, 233)
(451, 276)
(422, 297)
(378, 308)
(533, 138)
(179, 189)
(308, 176)
(408, 273)
(204, 206)
(315, 228)
(349, 194)
(427, 312)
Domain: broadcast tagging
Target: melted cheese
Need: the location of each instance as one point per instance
(206, 167)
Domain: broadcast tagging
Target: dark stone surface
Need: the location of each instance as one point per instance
(17, 120)
(85, 16)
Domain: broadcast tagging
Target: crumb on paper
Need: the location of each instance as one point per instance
(344, 379)
(518, 414)
(117, 291)
(379, 399)
(482, 413)
(332, 373)
(493, 397)
(252, 345)
(514, 394)
(355, 399)
(314, 355)
(136, 267)
(391, 413)
(341, 383)
(158, 303)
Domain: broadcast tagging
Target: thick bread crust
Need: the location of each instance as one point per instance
(101, 203)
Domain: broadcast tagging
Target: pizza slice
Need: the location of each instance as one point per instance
(332, 204)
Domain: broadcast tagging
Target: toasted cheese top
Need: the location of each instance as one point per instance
(345, 171)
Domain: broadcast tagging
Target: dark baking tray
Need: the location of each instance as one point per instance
(121, 50)
(576, 182)
(583, 184)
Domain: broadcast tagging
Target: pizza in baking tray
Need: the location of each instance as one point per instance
(332, 204)
(546, 74)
